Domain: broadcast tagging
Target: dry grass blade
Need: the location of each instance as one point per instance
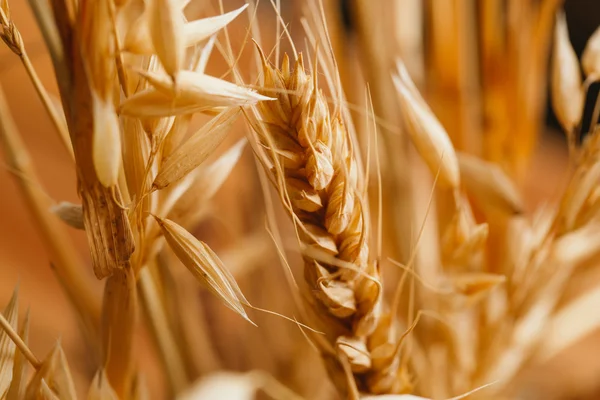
(487, 183)
(100, 388)
(71, 214)
(53, 375)
(195, 150)
(7, 346)
(204, 264)
(427, 133)
(565, 85)
(19, 373)
(119, 316)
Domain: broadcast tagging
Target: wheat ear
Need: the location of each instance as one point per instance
(309, 154)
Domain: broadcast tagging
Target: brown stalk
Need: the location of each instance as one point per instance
(119, 314)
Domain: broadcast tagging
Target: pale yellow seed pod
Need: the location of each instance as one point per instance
(106, 146)
(167, 33)
(565, 85)
(590, 60)
(319, 168)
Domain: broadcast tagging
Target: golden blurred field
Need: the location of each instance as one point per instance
(235, 229)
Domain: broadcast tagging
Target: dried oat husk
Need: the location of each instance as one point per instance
(426, 132)
(590, 59)
(487, 183)
(204, 264)
(566, 84)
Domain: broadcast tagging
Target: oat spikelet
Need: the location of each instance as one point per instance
(204, 264)
(590, 59)
(426, 132)
(488, 183)
(565, 85)
(312, 147)
(166, 29)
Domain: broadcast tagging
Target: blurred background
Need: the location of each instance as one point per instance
(235, 229)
